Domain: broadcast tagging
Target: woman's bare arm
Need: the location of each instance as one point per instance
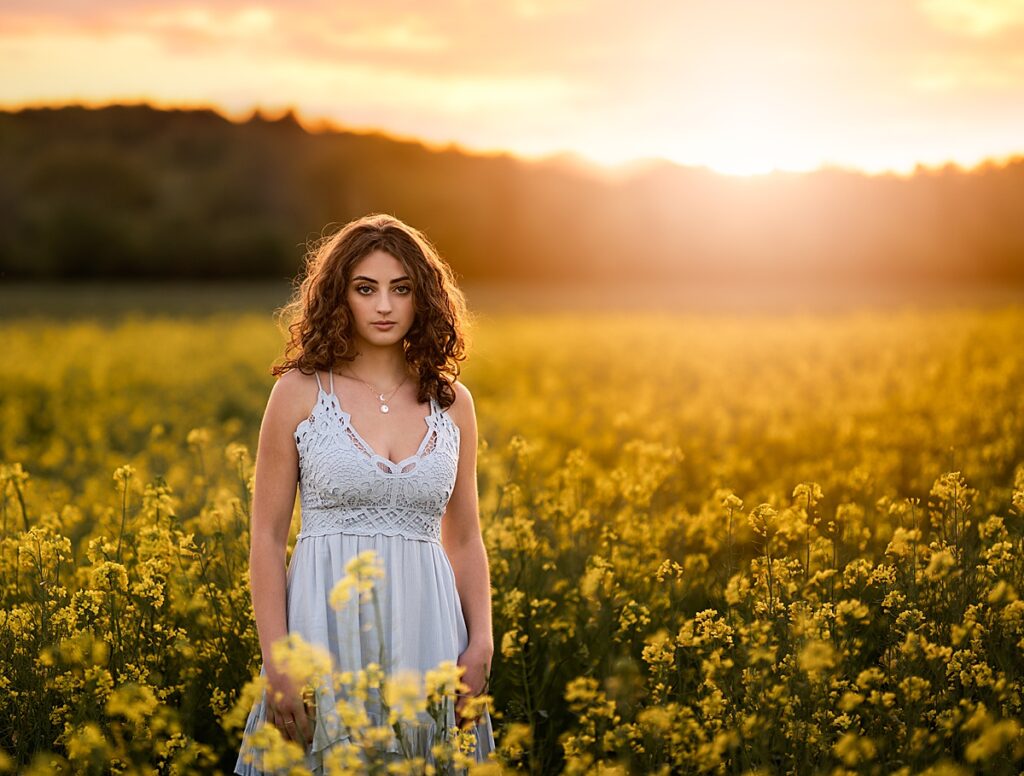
(276, 478)
(460, 531)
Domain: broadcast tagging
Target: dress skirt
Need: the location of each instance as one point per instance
(420, 624)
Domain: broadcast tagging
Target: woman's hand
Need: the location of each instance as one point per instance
(477, 660)
(287, 710)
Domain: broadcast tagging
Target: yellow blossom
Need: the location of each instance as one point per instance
(817, 657)
(939, 564)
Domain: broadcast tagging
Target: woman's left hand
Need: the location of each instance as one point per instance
(477, 660)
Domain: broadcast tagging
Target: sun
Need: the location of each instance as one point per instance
(751, 133)
(734, 128)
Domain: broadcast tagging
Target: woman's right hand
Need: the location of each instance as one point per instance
(287, 710)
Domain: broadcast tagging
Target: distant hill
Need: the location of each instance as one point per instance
(135, 191)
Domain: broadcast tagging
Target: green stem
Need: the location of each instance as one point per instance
(124, 513)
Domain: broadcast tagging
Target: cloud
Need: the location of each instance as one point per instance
(976, 18)
(538, 9)
(970, 73)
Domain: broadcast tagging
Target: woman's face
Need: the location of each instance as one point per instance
(380, 290)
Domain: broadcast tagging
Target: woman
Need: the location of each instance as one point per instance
(377, 331)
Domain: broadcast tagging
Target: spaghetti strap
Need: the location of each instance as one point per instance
(332, 382)
(319, 384)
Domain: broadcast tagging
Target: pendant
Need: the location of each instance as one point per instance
(384, 408)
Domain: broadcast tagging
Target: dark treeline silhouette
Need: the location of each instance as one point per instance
(138, 192)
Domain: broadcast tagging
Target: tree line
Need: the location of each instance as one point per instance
(132, 191)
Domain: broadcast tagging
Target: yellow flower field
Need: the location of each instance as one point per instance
(718, 544)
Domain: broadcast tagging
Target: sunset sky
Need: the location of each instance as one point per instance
(741, 87)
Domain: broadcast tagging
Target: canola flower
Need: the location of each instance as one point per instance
(782, 546)
(360, 572)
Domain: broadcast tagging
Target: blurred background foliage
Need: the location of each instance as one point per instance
(132, 191)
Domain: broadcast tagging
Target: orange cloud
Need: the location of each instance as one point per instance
(980, 18)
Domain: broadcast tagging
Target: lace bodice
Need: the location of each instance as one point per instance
(344, 486)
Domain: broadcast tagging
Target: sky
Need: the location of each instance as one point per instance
(740, 86)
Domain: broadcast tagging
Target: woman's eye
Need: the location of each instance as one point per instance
(406, 291)
(360, 289)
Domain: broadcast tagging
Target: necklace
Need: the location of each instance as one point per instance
(380, 396)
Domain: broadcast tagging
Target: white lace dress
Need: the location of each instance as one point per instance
(354, 500)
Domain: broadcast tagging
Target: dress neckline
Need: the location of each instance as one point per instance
(427, 420)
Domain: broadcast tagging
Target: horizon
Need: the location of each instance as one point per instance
(737, 88)
(567, 157)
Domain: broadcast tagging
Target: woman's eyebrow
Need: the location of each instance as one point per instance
(372, 280)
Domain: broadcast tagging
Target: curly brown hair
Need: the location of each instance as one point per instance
(318, 320)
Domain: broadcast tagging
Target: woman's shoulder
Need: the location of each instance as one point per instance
(294, 383)
(291, 397)
(462, 410)
(462, 390)
(463, 396)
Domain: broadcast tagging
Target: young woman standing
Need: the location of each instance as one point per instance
(370, 422)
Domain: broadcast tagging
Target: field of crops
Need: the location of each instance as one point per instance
(718, 544)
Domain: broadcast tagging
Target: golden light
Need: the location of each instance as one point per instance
(790, 88)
